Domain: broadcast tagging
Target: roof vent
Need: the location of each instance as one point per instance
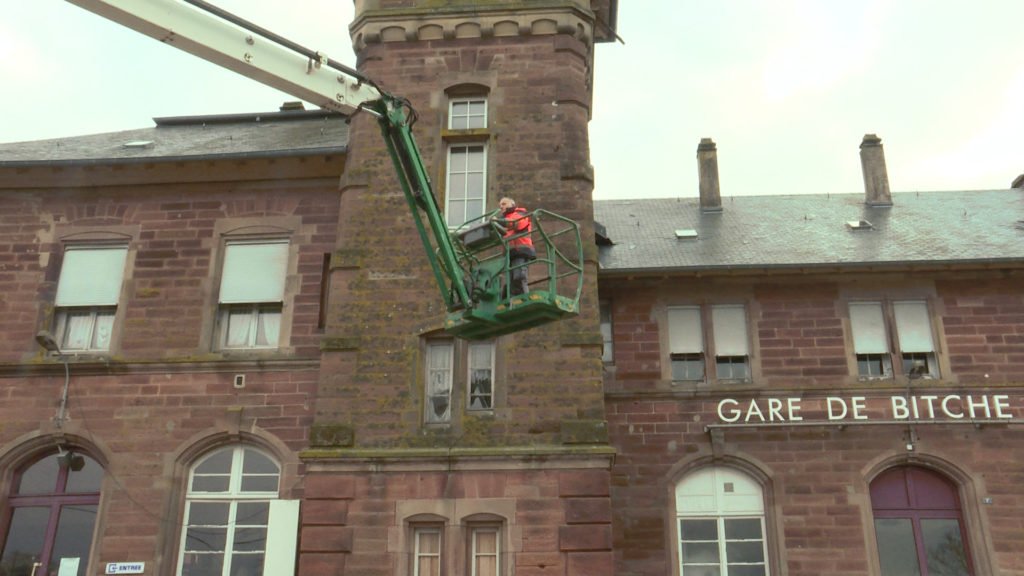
(686, 233)
(138, 144)
(859, 225)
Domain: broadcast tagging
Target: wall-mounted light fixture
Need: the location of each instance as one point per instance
(68, 459)
(49, 343)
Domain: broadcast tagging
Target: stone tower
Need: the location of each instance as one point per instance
(439, 452)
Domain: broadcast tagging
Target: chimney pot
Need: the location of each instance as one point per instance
(707, 165)
(876, 177)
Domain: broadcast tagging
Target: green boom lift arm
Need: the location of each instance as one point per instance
(470, 264)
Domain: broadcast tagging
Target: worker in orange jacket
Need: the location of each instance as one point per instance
(518, 228)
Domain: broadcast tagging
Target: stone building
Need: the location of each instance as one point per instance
(815, 384)
(223, 347)
(223, 344)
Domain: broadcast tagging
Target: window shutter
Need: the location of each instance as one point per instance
(282, 534)
(684, 331)
(868, 327)
(730, 325)
(91, 276)
(913, 326)
(254, 272)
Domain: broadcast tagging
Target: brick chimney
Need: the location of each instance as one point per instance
(876, 178)
(1018, 182)
(707, 168)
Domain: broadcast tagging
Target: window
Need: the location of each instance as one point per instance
(608, 350)
(234, 523)
(87, 295)
(918, 524)
(446, 360)
(914, 329)
(440, 357)
(729, 337)
(484, 550)
(913, 334)
(731, 352)
(466, 183)
(467, 113)
(466, 174)
(481, 376)
(426, 550)
(720, 516)
(52, 511)
(686, 343)
(252, 294)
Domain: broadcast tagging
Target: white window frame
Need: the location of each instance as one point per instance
(453, 216)
(418, 553)
(473, 120)
(264, 308)
(475, 554)
(282, 515)
(438, 380)
(89, 290)
(470, 368)
(719, 494)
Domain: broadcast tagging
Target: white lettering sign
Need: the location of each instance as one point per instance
(837, 408)
(126, 567)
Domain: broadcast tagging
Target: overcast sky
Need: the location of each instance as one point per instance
(786, 88)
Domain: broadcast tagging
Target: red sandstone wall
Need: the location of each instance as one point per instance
(816, 477)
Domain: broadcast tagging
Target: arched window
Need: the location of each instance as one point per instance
(918, 524)
(720, 515)
(234, 524)
(50, 516)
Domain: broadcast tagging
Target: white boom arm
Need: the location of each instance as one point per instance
(253, 52)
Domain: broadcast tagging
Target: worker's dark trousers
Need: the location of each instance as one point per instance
(518, 258)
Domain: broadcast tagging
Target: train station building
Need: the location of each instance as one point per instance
(224, 350)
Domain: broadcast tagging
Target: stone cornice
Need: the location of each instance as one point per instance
(501, 20)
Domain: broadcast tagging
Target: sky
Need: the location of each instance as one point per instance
(787, 88)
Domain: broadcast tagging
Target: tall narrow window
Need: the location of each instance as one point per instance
(732, 351)
(481, 376)
(870, 343)
(466, 183)
(53, 509)
(234, 522)
(485, 550)
(252, 294)
(466, 174)
(686, 343)
(914, 330)
(608, 350)
(426, 551)
(918, 524)
(87, 296)
(720, 515)
(439, 361)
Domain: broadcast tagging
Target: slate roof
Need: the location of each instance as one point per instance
(757, 232)
(288, 133)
